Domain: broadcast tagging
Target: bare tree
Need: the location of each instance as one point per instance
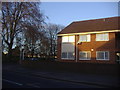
(17, 17)
(52, 30)
(31, 38)
(43, 45)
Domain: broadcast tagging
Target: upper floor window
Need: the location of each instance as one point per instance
(68, 39)
(102, 37)
(84, 38)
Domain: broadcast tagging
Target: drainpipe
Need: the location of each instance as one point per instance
(76, 48)
(76, 52)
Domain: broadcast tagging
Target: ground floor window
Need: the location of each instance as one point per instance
(84, 55)
(68, 55)
(68, 51)
(102, 55)
(64, 54)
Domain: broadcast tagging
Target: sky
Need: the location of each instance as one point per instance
(64, 13)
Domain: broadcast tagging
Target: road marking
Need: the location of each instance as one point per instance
(33, 85)
(12, 82)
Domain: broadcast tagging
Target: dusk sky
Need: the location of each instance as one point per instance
(64, 13)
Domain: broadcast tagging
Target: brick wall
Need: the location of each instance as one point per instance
(59, 40)
(96, 46)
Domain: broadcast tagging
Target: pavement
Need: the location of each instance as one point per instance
(106, 81)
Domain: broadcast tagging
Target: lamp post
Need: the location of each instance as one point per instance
(21, 53)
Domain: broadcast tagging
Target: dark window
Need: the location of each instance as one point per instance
(64, 54)
(102, 55)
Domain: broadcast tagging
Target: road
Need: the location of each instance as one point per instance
(19, 80)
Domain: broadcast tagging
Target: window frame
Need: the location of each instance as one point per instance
(68, 40)
(87, 35)
(87, 55)
(104, 55)
(96, 39)
(63, 41)
(61, 55)
(67, 56)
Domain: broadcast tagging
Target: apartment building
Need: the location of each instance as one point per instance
(90, 41)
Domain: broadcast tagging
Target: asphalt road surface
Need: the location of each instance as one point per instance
(19, 80)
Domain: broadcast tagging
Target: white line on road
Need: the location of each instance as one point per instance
(33, 85)
(12, 82)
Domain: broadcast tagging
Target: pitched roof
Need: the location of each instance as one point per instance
(94, 25)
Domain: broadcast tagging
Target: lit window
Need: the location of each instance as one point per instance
(68, 39)
(102, 55)
(84, 55)
(71, 39)
(67, 48)
(65, 39)
(102, 37)
(84, 38)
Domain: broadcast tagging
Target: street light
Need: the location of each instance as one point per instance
(21, 53)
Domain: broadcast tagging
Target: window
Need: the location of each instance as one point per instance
(102, 55)
(70, 55)
(67, 51)
(67, 55)
(65, 39)
(102, 37)
(84, 38)
(68, 39)
(64, 54)
(84, 55)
